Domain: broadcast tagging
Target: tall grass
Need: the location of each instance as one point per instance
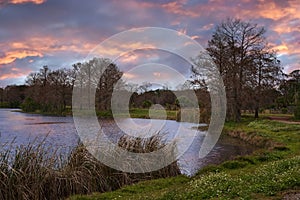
(36, 172)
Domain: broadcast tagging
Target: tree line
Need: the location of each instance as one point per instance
(250, 69)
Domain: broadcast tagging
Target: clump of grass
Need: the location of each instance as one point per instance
(234, 164)
(148, 145)
(36, 172)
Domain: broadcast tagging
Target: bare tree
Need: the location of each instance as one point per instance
(267, 73)
(234, 46)
(144, 87)
(101, 75)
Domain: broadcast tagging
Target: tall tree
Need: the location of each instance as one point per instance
(267, 73)
(235, 46)
(290, 90)
(101, 74)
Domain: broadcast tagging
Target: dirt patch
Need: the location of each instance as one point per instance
(256, 140)
(292, 195)
(42, 123)
(283, 119)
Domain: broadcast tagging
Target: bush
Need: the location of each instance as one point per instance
(29, 105)
(284, 110)
(147, 104)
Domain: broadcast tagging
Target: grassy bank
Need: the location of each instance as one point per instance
(270, 173)
(139, 113)
(134, 113)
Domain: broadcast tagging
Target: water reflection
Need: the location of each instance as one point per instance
(22, 128)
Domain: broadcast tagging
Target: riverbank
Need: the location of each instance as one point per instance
(269, 173)
(134, 113)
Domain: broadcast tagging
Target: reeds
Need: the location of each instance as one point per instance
(36, 172)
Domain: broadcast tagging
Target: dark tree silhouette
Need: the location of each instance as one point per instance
(241, 53)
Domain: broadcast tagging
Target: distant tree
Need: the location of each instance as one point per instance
(1, 95)
(14, 95)
(294, 82)
(50, 91)
(131, 87)
(60, 85)
(145, 87)
(290, 87)
(101, 74)
(291, 91)
(39, 88)
(267, 73)
(147, 104)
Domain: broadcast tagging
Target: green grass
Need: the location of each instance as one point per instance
(144, 113)
(266, 174)
(138, 113)
(251, 182)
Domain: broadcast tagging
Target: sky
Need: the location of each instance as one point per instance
(59, 33)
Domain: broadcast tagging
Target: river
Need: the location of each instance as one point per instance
(18, 128)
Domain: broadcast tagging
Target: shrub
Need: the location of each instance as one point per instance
(29, 105)
(284, 110)
(147, 104)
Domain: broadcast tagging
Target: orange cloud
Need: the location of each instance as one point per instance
(194, 37)
(271, 10)
(39, 46)
(129, 75)
(27, 1)
(282, 49)
(207, 27)
(129, 58)
(11, 56)
(177, 7)
(157, 74)
(182, 31)
(117, 48)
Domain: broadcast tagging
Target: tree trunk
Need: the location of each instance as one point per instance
(256, 112)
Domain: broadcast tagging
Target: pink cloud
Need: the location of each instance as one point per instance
(26, 1)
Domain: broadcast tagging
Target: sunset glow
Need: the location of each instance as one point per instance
(58, 33)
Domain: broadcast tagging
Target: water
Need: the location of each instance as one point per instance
(60, 133)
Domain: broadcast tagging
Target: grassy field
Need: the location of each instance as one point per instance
(139, 113)
(270, 173)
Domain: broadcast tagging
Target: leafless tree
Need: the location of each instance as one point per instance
(238, 48)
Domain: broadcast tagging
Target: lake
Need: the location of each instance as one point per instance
(18, 128)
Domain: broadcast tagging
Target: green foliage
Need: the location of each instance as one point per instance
(147, 104)
(185, 102)
(29, 105)
(266, 179)
(284, 110)
(4, 105)
(104, 114)
(235, 164)
(11, 104)
(262, 180)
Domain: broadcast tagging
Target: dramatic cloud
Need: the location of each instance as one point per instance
(58, 33)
